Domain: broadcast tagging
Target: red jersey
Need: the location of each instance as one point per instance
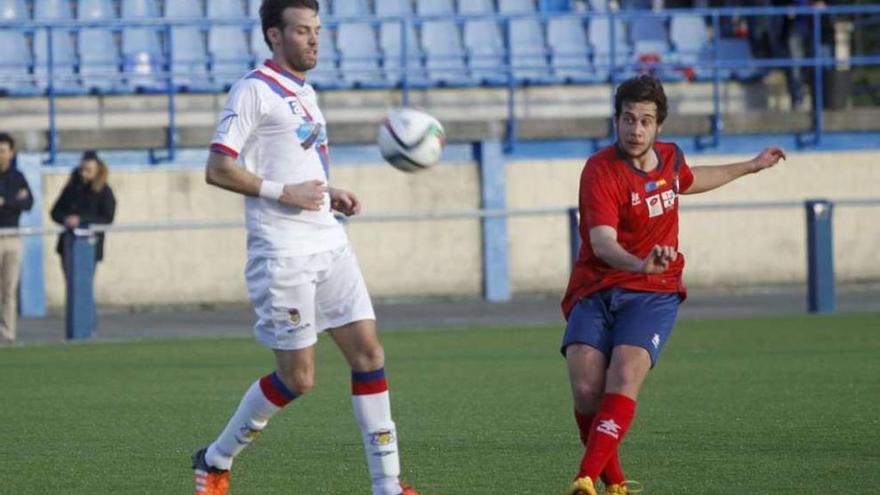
(642, 207)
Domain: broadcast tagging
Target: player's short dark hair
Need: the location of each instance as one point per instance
(6, 138)
(272, 13)
(639, 89)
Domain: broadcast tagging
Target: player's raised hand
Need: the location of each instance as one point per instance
(344, 202)
(768, 158)
(307, 195)
(659, 259)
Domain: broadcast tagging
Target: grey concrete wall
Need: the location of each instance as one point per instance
(431, 258)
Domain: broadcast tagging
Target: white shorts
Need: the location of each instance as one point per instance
(296, 298)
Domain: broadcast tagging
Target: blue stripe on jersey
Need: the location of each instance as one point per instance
(273, 85)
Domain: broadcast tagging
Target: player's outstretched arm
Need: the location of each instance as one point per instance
(223, 172)
(603, 240)
(713, 177)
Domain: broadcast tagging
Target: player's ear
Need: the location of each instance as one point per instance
(274, 35)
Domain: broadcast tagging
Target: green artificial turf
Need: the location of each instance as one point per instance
(739, 406)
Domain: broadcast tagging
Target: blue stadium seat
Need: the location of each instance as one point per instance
(444, 53)
(690, 39)
(476, 6)
(598, 5)
(528, 52)
(516, 6)
(635, 4)
(259, 50)
(228, 45)
(554, 5)
(736, 53)
(485, 50)
(65, 80)
(326, 73)
(359, 55)
(391, 43)
(569, 50)
(189, 56)
(142, 58)
(98, 56)
(15, 59)
(435, 7)
(600, 40)
(650, 41)
(350, 8)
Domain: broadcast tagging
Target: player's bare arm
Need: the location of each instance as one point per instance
(707, 178)
(223, 172)
(603, 240)
(345, 202)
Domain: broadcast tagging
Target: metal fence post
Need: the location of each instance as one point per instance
(79, 265)
(493, 191)
(574, 234)
(820, 256)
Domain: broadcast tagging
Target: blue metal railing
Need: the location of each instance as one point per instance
(615, 66)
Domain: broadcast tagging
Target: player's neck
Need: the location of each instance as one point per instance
(646, 162)
(280, 62)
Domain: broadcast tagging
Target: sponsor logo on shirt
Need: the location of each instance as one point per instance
(655, 207)
(654, 185)
(226, 121)
(635, 198)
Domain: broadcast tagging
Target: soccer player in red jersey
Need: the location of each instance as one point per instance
(624, 290)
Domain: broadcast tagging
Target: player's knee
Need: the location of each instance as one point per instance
(299, 381)
(587, 396)
(369, 359)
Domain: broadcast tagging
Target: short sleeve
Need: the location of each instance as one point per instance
(239, 118)
(598, 196)
(685, 176)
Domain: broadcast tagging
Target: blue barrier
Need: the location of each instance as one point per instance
(79, 266)
(496, 267)
(820, 256)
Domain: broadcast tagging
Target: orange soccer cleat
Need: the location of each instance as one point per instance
(407, 490)
(209, 480)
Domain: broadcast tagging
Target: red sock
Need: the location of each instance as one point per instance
(613, 472)
(607, 431)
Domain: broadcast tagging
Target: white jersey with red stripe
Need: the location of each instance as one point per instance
(273, 125)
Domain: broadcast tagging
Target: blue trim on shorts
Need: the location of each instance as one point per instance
(616, 316)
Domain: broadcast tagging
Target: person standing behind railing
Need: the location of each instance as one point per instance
(86, 200)
(15, 197)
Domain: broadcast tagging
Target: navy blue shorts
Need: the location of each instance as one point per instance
(616, 316)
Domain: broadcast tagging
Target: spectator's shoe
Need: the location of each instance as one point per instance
(209, 480)
(407, 490)
(625, 488)
(581, 486)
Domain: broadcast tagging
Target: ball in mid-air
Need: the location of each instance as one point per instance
(410, 139)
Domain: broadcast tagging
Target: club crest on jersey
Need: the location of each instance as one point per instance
(296, 107)
(635, 199)
(655, 207)
(654, 185)
(382, 437)
(309, 133)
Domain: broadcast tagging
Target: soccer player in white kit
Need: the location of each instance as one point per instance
(302, 274)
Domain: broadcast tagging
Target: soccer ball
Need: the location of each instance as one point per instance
(411, 140)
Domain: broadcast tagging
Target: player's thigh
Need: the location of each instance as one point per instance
(589, 323)
(644, 320)
(283, 294)
(342, 297)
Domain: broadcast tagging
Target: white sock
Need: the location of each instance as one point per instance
(263, 399)
(372, 409)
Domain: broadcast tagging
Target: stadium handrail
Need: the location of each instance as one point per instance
(418, 216)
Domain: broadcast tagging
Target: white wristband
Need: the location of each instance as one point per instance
(271, 190)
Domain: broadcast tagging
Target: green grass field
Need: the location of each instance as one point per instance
(747, 406)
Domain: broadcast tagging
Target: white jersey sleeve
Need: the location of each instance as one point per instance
(241, 115)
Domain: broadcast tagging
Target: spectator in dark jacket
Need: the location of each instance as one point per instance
(15, 197)
(86, 200)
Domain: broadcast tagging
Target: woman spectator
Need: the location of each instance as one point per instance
(86, 200)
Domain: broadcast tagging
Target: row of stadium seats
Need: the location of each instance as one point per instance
(214, 51)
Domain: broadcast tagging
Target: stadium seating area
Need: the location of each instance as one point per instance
(126, 46)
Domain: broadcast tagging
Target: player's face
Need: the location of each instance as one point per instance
(6, 154)
(88, 170)
(637, 128)
(299, 39)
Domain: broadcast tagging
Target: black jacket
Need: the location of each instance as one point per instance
(78, 198)
(11, 182)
